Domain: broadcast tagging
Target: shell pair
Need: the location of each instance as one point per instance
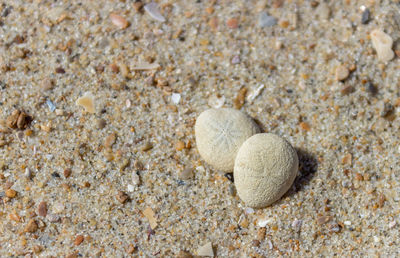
(265, 165)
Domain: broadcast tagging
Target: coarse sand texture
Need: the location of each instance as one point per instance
(219, 135)
(265, 168)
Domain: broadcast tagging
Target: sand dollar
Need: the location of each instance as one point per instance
(265, 168)
(219, 134)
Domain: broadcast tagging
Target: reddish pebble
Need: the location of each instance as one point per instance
(232, 23)
(42, 209)
(67, 172)
(119, 21)
(78, 240)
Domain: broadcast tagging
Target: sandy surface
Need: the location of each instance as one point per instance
(66, 184)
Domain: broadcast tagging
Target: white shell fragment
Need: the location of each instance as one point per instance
(219, 134)
(175, 98)
(265, 168)
(382, 43)
(152, 10)
(87, 101)
(206, 250)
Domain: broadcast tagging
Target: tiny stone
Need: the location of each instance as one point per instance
(12, 119)
(47, 84)
(341, 73)
(135, 178)
(78, 240)
(53, 218)
(255, 243)
(110, 140)
(261, 233)
(87, 101)
(267, 21)
(10, 193)
(387, 110)
(60, 70)
(67, 172)
(264, 161)
(235, 60)
(185, 174)
(229, 176)
(372, 89)
(119, 21)
(55, 175)
(42, 209)
(131, 249)
(232, 190)
(232, 23)
(147, 146)
(365, 17)
(180, 145)
(149, 214)
(101, 123)
(382, 43)
(323, 219)
(22, 121)
(220, 133)
(31, 227)
(122, 197)
(346, 90)
(206, 250)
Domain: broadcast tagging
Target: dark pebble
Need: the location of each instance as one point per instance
(366, 16)
(55, 174)
(60, 70)
(229, 176)
(372, 89)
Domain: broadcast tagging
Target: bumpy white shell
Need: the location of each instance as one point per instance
(219, 134)
(382, 43)
(265, 168)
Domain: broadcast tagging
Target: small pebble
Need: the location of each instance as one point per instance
(220, 133)
(87, 101)
(175, 98)
(268, 162)
(232, 23)
(372, 89)
(101, 123)
(78, 240)
(135, 178)
(152, 10)
(67, 172)
(53, 218)
(341, 73)
(267, 21)
(122, 197)
(10, 193)
(31, 227)
(366, 16)
(149, 214)
(261, 233)
(382, 43)
(206, 250)
(119, 21)
(147, 146)
(42, 209)
(180, 145)
(185, 174)
(47, 84)
(235, 60)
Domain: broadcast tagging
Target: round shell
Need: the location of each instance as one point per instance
(265, 168)
(219, 134)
